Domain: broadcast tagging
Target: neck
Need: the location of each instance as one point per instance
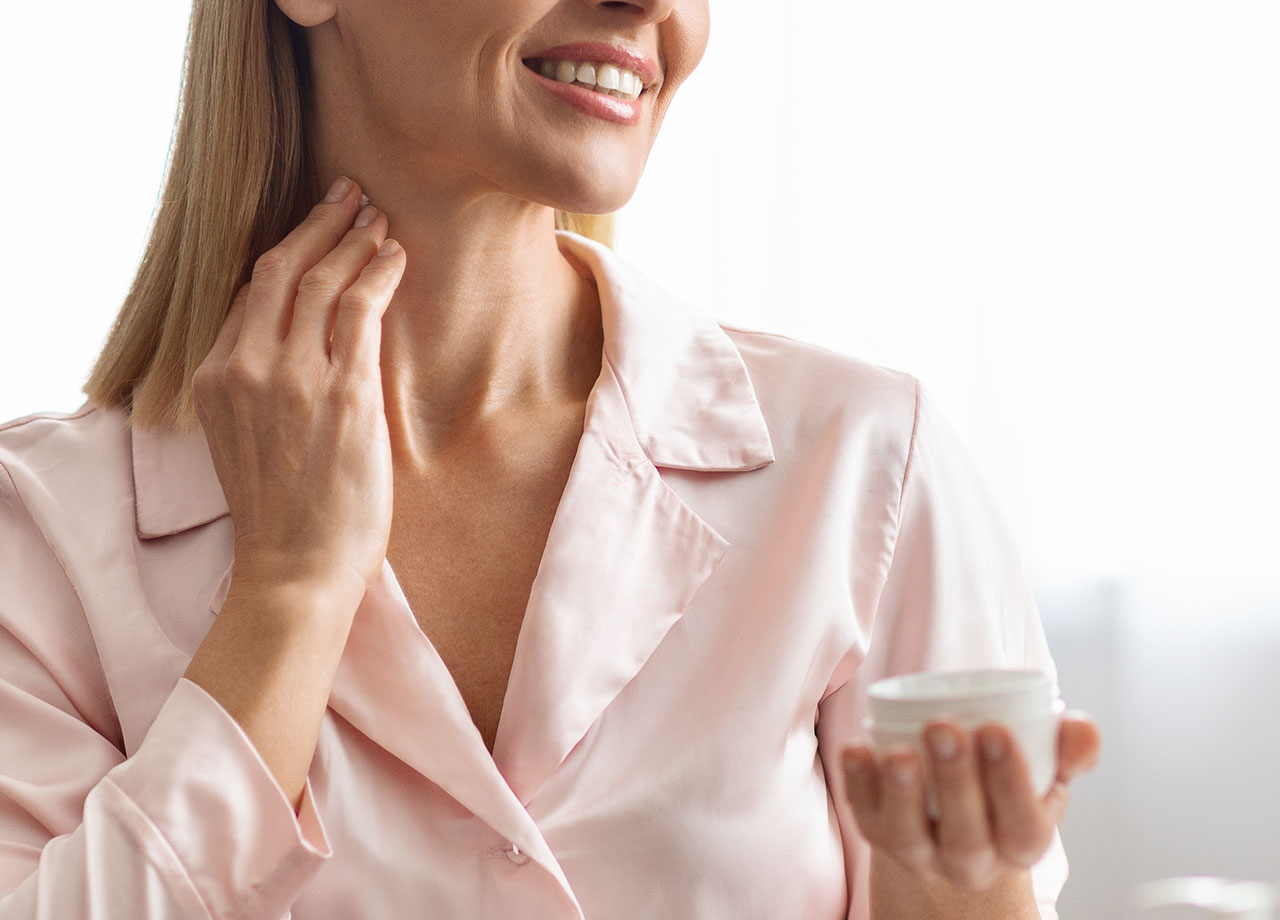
(490, 322)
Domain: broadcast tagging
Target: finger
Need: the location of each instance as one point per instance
(966, 853)
(357, 327)
(277, 271)
(902, 830)
(323, 283)
(1023, 826)
(862, 787)
(1055, 802)
(1079, 743)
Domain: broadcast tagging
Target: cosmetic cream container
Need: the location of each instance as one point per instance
(1025, 702)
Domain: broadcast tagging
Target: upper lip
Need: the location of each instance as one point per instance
(631, 59)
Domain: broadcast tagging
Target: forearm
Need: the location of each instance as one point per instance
(270, 659)
(898, 895)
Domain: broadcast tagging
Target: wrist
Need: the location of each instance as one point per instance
(293, 597)
(899, 893)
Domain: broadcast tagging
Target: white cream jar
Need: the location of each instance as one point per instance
(1025, 702)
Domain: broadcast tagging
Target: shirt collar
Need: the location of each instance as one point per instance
(687, 392)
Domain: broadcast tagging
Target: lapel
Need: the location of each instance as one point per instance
(624, 557)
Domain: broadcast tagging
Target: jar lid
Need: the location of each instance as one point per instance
(990, 694)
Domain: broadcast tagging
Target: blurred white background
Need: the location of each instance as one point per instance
(1063, 218)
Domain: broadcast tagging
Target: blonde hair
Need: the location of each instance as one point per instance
(238, 179)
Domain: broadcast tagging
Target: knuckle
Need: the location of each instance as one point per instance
(243, 374)
(205, 381)
(1003, 781)
(321, 279)
(320, 218)
(954, 778)
(966, 852)
(339, 400)
(273, 263)
(1011, 794)
(348, 395)
(1020, 856)
(381, 267)
(355, 379)
(1025, 847)
(357, 303)
(916, 855)
(382, 272)
(971, 875)
(294, 387)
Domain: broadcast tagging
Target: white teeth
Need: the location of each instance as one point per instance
(603, 78)
(607, 78)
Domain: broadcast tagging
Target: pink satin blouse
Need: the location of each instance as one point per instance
(754, 530)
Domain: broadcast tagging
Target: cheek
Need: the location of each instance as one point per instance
(685, 36)
(429, 54)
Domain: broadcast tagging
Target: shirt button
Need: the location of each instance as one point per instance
(515, 854)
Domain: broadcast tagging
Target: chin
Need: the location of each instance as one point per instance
(590, 192)
(592, 204)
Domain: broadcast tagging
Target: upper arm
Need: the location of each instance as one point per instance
(190, 824)
(954, 597)
(58, 732)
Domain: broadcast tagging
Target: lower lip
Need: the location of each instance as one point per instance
(610, 108)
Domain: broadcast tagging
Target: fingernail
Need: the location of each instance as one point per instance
(388, 248)
(904, 774)
(366, 216)
(943, 743)
(992, 747)
(364, 199)
(338, 190)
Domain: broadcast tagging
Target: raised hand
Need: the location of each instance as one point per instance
(290, 399)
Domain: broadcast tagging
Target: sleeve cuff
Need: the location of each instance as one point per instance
(213, 802)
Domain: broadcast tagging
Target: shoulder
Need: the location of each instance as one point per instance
(808, 391)
(65, 484)
(90, 428)
(39, 432)
(53, 462)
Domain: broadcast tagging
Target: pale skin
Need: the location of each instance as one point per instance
(352, 397)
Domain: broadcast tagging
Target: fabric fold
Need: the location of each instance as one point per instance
(210, 796)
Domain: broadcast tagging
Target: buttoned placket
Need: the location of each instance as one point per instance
(655, 550)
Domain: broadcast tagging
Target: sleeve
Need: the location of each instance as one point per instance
(193, 825)
(954, 597)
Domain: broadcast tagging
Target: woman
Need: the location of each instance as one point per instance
(605, 652)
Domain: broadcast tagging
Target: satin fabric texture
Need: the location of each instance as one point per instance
(753, 531)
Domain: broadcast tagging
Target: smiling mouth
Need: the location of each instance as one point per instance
(606, 79)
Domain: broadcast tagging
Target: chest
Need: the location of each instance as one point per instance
(465, 549)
